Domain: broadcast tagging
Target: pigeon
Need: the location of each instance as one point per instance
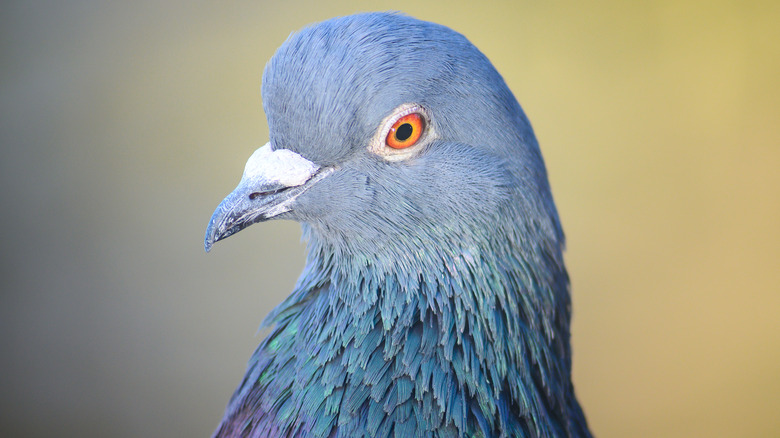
(434, 301)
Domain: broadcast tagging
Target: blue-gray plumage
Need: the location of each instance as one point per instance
(434, 301)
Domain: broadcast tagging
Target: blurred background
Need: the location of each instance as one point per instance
(123, 125)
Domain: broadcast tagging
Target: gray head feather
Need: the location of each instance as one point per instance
(327, 90)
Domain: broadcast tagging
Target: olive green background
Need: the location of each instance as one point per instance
(123, 124)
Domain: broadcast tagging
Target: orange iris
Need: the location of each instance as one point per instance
(405, 131)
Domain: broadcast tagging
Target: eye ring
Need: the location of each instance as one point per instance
(406, 131)
(395, 142)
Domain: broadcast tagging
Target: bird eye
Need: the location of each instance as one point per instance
(405, 131)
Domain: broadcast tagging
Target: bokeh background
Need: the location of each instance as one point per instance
(123, 124)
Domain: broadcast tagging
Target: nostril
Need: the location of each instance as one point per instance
(255, 195)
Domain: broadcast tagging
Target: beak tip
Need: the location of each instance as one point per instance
(211, 237)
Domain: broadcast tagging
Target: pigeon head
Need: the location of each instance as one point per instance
(390, 135)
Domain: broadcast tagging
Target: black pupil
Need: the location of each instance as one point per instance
(404, 132)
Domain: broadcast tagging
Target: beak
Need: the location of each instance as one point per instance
(272, 180)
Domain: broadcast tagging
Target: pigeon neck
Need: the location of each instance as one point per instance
(503, 309)
(530, 285)
(492, 289)
(492, 321)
